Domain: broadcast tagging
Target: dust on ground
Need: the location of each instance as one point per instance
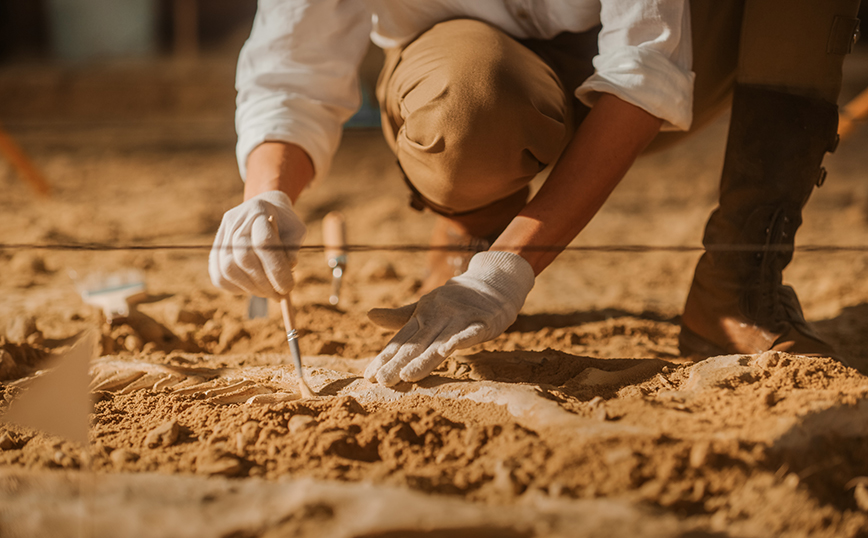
(580, 419)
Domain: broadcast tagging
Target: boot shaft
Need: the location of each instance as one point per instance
(775, 147)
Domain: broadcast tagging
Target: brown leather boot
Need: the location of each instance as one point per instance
(738, 303)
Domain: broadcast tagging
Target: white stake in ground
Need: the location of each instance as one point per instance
(334, 233)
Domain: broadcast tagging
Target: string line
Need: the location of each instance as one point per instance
(108, 247)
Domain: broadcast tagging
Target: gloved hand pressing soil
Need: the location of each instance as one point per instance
(247, 256)
(469, 309)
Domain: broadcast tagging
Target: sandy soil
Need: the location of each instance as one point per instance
(581, 420)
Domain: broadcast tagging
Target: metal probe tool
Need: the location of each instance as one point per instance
(334, 234)
(292, 338)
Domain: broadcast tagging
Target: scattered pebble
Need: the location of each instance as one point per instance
(768, 360)
(120, 456)
(133, 343)
(164, 435)
(300, 422)
(222, 465)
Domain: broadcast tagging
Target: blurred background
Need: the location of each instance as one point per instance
(125, 108)
(82, 30)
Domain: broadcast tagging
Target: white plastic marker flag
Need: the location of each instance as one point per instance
(58, 402)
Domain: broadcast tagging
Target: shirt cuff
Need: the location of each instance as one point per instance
(644, 78)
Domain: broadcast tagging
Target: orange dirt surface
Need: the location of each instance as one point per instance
(580, 420)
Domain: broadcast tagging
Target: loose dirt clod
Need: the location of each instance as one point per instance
(163, 436)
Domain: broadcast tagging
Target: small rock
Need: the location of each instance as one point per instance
(120, 456)
(133, 343)
(7, 442)
(164, 435)
(222, 465)
(20, 328)
(300, 422)
(768, 360)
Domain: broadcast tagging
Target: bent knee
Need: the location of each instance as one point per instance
(480, 119)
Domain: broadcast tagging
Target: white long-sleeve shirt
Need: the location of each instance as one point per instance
(297, 77)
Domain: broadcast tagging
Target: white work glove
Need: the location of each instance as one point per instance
(247, 256)
(469, 309)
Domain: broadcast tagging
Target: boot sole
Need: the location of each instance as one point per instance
(697, 348)
(693, 346)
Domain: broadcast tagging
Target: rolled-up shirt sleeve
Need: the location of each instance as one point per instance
(297, 78)
(645, 59)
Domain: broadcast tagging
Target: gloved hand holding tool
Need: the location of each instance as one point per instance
(248, 254)
(254, 252)
(469, 309)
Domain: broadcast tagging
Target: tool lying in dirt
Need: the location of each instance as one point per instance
(112, 292)
(334, 238)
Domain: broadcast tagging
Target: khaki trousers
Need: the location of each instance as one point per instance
(473, 115)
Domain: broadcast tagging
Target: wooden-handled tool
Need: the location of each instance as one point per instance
(334, 232)
(292, 338)
(24, 166)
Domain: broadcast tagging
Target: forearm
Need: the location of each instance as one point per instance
(277, 166)
(604, 147)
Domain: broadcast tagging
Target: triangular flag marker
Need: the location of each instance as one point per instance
(59, 401)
